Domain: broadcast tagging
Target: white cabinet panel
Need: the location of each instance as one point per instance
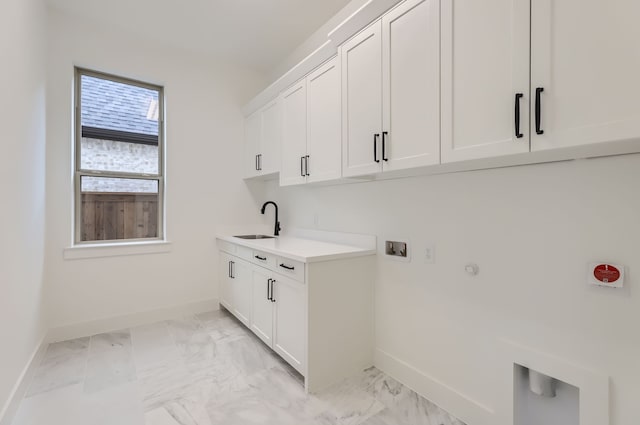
(411, 85)
(252, 136)
(226, 270)
(362, 102)
(485, 63)
(294, 134)
(586, 58)
(241, 285)
(290, 320)
(262, 314)
(324, 119)
(271, 125)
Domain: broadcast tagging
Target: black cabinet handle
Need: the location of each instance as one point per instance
(284, 266)
(229, 268)
(256, 162)
(517, 115)
(269, 289)
(306, 165)
(260, 258)
(272, 282)
(384, 145)
(302, 166)
(538, 110)
(375, 147)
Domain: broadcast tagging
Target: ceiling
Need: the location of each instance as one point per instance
(255, 33)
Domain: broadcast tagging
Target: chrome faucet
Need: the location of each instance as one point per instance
(276, 230)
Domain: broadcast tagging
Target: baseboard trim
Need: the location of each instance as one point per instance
(22, 385)
(458, 404)
(79, 330)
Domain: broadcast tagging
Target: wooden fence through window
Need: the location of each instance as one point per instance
(111, 216)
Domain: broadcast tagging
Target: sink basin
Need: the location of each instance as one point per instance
(254, 237)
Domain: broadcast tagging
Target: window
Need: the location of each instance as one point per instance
(118, 159)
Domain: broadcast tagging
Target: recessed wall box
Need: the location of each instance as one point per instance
(397, 249)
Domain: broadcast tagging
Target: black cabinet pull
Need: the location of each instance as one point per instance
(229, 268)
(302, 166)
(375, 147)
(517, 115)
(384, 146)
(269, 289)
(306, 165)
(260, 258)
(256, 162)
(284, 266)
(272, 282)
(538, 110)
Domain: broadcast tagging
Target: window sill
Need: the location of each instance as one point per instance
(116, 249)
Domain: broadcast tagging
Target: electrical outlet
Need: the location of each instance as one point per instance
(430, 254)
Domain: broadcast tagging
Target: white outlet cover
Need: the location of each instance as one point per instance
(430, 254)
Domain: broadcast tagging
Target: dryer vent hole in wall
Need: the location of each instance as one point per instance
(397, 249)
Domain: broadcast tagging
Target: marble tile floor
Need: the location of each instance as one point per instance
(206, 369)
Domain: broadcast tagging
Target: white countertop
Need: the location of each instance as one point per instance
(303, 249)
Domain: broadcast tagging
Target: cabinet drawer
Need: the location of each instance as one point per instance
(264, 259)
(293, 269)
(227, 247)
(244, 252)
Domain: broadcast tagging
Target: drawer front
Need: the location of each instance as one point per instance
(227, 247)
(244, 252)
(264, 259)
(291, 268)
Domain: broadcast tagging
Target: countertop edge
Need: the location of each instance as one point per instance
(357, 252)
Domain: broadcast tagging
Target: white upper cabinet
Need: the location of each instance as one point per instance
(485, 78)
(362, 102)
(585, 68)
(262, 140)
(311, 127)
(391, 91)
(411, 85)
(294, 134)
(324, 123)
(252, 136)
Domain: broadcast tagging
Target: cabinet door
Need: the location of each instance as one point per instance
(362, 102)
(586, 58)
(294, 134)
(270, 142)
(324, 122)
(262, 314)
(485, 64)
(226, 273)
(411, 85)
(252, 136)
(242, 291)
(290, 336)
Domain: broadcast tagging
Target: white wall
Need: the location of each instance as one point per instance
(532, 230)
(22, 168)
(203, 100)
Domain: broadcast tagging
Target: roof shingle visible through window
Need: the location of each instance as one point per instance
(117, 106)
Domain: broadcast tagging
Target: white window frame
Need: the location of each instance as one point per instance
(79, 172)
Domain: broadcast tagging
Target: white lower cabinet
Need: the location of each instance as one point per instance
(241, 285)
(289, 301)
(262, 318)
(317, 316)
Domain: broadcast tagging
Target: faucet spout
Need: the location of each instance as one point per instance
(276, 230)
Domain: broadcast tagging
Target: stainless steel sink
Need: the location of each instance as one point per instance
(254, 237)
